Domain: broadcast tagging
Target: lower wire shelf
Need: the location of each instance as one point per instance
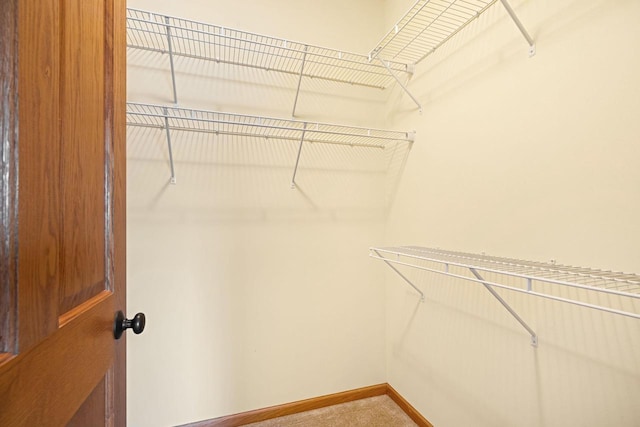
(529, 277)
(174, 119)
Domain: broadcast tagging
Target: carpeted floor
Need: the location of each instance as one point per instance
(378, 411)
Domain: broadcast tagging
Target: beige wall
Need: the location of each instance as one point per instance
(258, 295)
(255, 294)
(526, 158)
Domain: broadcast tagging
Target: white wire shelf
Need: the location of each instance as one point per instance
(173, 119)
(186, 119)
(428, 24)
(533, 278)
(191, 39)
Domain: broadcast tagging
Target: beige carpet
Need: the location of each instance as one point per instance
(378, 411)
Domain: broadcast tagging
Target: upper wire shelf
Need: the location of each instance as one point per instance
(181, 37)
(431, 23)
(426, 26)
(534, 278)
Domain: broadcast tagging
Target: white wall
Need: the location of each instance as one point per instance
(526, 158)
(255, 294)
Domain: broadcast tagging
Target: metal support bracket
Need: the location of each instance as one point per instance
(173, 73)
(523, 30)
(401, 275)
(295, 170)
(168, 133)
(399, 82)
(534, 337)
(304, 59)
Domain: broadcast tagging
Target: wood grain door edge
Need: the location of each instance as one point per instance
(297, 407)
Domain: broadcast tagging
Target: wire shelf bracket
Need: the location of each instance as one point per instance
(173, 70)
(401, 275)
(304, 59)
(386, 65)
(534, 337)
(544, 280)
(172, 180)
(521, 27)
(295, 170)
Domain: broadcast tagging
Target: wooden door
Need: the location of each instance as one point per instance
(62, 210)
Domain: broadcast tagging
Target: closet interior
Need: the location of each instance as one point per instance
(279, 162)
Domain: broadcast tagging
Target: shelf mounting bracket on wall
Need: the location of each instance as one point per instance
(295, 170)
(401, 275)
(304, 59)
(173, 72)
(534, 336)
(383, 62)
(523, 30)
(168, 133)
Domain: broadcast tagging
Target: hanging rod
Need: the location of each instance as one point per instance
(172, 119)
(428, 24)
(519, 276)
(191, 39)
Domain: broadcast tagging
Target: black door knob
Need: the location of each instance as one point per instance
(122, 323)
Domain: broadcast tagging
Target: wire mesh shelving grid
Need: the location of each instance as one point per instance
(534, 278)
(181, 37)
(171, 119)
(185, 119)
(426, 26)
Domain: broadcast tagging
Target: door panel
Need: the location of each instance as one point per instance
(47, 385)
(83, 151)
(62, 272)
(39, 144)
(93, 411)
